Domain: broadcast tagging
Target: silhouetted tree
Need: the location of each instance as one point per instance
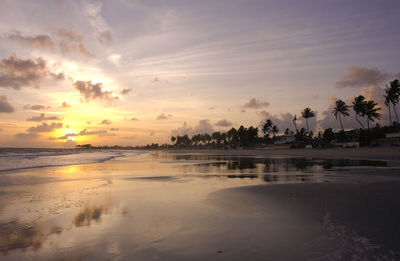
(393, 95)
(232, 136)
(340, 109)
(371, 111)
(306, 114)
(328, 135)
(359, 108)
(387, 102)
(267, 128)
(274, 130)
(287, 131)
(295, 123)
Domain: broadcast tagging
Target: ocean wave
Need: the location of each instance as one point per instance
(18, 159)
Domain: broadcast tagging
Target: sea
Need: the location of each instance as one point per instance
(12, 159)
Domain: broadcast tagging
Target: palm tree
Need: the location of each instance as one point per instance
(266, 129)
(371, 111)
(307, 113)
(274, 130)
(232, 136)
(294, 123)
(394, 94)
(388, 102)
(359, 108)
(341, 109)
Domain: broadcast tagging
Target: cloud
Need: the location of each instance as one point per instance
(69, 144)
(5, 106)
(44, 127)
(36, 107)
(162, 116)
(16, 73)
(42, 117)
(102, 31)
(71, 42)
(69, 34)
(126, 91)
(204, 126)
(92, 91)
(65, 105)
(362, 77)
(114, 58)
(255, 104)
(75, 48)
(223, 123)
(26, 136)
(114, 129)
(39, 41)
(129, 137)
(284, 120)
(66, 41)
(134, 119)
(106, 122)
(85, 132)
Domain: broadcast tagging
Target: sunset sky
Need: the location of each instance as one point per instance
(136, 72)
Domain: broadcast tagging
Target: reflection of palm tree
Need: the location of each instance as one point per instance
(307, 113)
(359, 108)
(340, 109)
(371, 111)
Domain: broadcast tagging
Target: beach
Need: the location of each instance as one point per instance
(330, 204)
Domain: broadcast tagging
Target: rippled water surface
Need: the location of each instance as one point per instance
(170, 206)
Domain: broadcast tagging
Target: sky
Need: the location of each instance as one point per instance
(137, 72)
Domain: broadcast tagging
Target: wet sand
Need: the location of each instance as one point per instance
(389, 154)
(359, 220)
(202, 206)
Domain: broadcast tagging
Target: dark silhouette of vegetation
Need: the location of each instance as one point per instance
(392, 96)
(359, 108)
(341, 109)
(371, 111)
(306, 114)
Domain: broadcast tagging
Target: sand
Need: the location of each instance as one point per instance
(360, 220)
(206, 205)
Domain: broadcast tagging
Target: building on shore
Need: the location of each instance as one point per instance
(391, 139)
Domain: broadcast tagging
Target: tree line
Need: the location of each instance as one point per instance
(364, 110)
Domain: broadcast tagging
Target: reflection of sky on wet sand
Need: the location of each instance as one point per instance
(136, 207)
